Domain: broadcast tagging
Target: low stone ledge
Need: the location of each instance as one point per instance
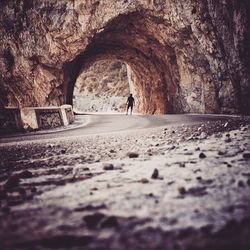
(35, 118)
(67, 114)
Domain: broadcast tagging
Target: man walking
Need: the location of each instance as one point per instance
(130, 104)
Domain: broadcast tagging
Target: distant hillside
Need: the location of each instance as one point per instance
(103, 87)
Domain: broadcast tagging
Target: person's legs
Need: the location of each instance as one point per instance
(131, 107)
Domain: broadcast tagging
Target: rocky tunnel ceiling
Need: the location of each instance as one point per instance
(184, 56)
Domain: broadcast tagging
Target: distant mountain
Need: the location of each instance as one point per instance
(103, 87)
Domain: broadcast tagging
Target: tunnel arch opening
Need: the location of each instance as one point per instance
(141, 73)
(168, 76)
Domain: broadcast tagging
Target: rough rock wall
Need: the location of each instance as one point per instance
(185, 55)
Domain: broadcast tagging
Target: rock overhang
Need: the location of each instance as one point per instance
(179, 52)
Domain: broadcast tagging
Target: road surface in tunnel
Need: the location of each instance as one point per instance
(91, 124)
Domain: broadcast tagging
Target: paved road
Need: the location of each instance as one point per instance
(99, 124)
(71, 199)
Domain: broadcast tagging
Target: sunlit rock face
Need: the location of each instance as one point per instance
(184, 55)
(103, 87)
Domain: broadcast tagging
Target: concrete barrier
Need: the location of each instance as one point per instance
(67, 114)
(35, 118)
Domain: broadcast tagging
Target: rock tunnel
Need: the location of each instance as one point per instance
(184, 56)
(159, 73)
(127, 40)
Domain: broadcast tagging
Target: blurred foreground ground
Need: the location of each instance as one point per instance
(174, 187)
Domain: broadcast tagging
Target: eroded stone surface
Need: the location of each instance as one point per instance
(185, 56)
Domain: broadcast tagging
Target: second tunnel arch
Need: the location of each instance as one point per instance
(162, 74)
(152, 99)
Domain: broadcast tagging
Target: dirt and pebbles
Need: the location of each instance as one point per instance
(175, 187)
